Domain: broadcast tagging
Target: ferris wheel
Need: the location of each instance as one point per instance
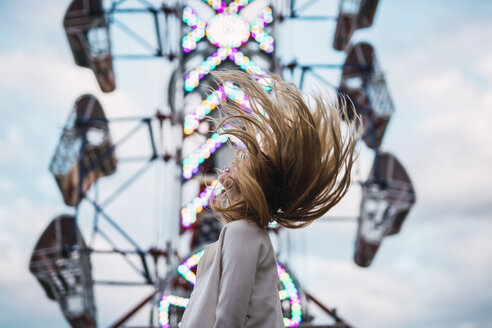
(194, 38)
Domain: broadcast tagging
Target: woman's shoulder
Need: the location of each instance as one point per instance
(244, 231)
(244, 227)
(244, 239)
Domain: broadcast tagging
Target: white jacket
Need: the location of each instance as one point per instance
(237, 282)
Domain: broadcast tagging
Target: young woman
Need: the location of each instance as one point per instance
(293, 167)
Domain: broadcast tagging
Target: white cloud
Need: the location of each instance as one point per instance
(351, 289)
(6, 184)
(54, 80)
(442, 279)
(445, 111)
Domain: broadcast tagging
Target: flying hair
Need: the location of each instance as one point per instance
(295, 163)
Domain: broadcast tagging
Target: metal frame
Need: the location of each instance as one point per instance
(156, 13)
(99, 206)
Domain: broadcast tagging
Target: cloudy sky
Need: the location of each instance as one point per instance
(438, 62)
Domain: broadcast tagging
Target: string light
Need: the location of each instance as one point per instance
(218, 5)
(228, 90)
(195, 159)
(257, 30)
(221, 6)
(246, 63)
(189, 42)
(165, 303)
(192, 79)
(190, 211)
(237, 5)
(292, 294)
(185, 268)
(192, 120)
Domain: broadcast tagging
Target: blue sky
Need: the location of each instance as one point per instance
(438, 61)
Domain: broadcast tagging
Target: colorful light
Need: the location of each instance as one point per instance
(189, 42)
(192, 79)
(192, 162)
(218, 5)
(195, 159)
(165, 303)
(221, 6)
(194, 76)
(190, 211)
(257, 30)
(186, 267)
(246, 63)
(237, 5)
(292, 294)
(227, 30)
(192, 120)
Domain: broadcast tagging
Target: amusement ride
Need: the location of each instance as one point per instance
(193, 38)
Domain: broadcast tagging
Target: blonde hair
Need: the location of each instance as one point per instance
(295, 164)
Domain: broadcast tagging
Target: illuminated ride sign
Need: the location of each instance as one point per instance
(227, 30)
